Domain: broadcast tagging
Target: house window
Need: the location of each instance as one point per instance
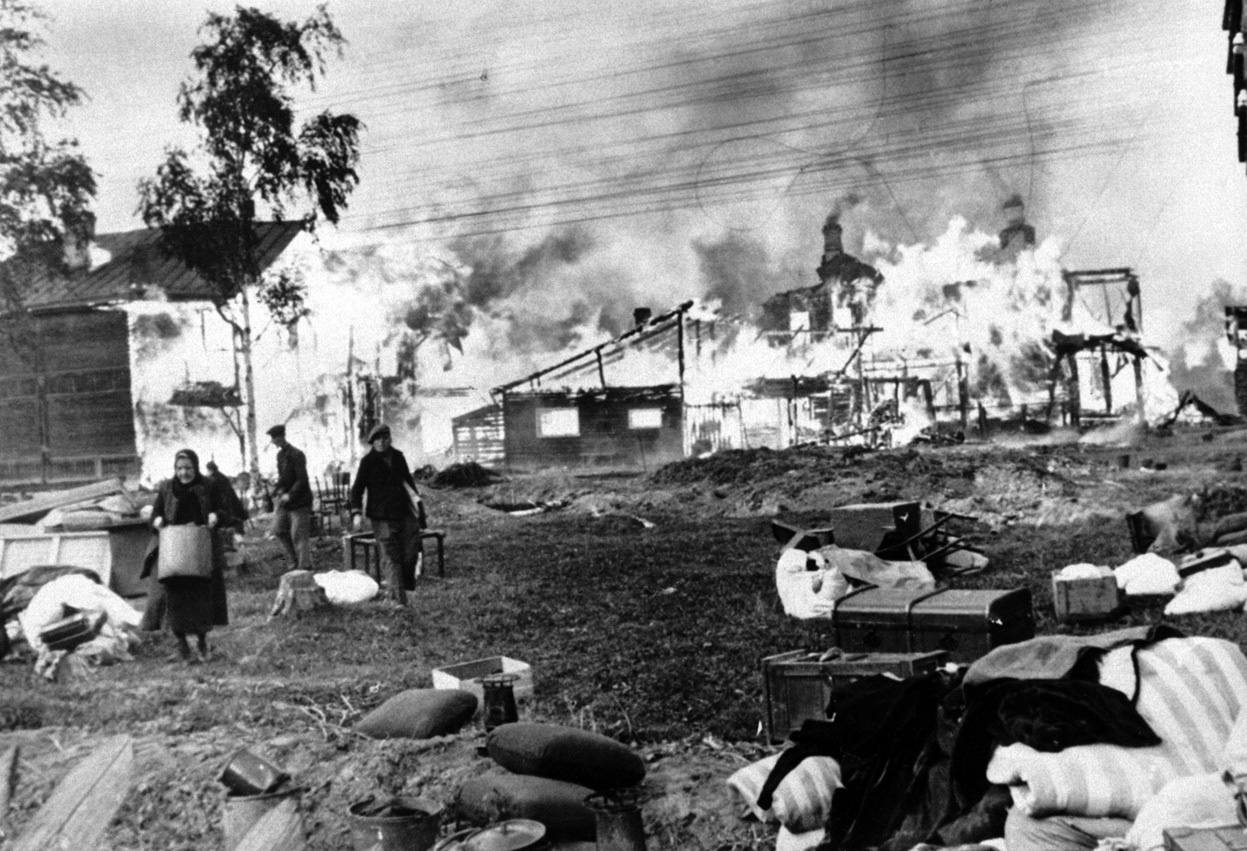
(558, 422)
(644, 418)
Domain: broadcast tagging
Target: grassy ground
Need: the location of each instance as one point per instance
(651, 635)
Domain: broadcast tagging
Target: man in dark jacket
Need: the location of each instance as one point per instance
(394, 509)
(292, 501)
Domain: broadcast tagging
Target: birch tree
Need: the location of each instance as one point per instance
(252, 161)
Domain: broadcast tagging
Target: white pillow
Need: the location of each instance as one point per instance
(789, 841)
(1200, 801)
(802, 800)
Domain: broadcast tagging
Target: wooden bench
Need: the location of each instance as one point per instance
(357, 546)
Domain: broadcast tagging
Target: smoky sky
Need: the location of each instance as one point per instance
(640, 137)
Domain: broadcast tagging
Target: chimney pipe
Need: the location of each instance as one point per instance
(642, 315)
(832, 243)
(76, 242)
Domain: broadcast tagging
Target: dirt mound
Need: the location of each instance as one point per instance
(466, 474)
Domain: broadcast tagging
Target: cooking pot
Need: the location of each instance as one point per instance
(517, 834)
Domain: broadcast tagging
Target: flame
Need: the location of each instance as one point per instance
(953, 302)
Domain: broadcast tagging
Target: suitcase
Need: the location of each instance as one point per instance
(70, 632)
(966, 623)
(1205, 839)
(797, 686)
(878, 526)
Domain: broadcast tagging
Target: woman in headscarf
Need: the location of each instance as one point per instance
(193, 605)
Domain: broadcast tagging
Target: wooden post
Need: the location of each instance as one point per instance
(963, 394)
(8, 781)
(679, 325)
(1075, 391)
(1106, 380)
(1140, 413)
(280, 829)
(601, 370)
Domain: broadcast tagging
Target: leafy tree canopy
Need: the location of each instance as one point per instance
(251, 152)
(45, 186)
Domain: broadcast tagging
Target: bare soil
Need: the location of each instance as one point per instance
(644, 605)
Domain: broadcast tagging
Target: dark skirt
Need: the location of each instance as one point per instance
(190, 605)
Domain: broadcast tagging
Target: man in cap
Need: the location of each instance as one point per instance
(393, 508)
(292, 501)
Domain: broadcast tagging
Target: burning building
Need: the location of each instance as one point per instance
(570, 414)
(942, 338)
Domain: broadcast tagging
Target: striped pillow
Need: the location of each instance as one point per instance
(802, 801)
(1190, 692)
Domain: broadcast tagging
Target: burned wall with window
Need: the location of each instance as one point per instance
(632, 427)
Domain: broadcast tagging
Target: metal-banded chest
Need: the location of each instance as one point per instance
(965, 623)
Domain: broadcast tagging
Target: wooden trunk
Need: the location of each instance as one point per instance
(797, 686)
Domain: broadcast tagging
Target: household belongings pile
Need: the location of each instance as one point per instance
(886, 545)
(1208, 580)
(100, 505)
(69, 620)
(96, 526)
(1135, 726)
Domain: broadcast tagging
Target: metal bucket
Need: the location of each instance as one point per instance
(239, 813)
(404, 823)
(184, 551)
(618, 816)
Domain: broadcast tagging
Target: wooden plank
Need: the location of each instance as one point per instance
(32, 509)
(84, 802)
(8, 781)
(280, 829)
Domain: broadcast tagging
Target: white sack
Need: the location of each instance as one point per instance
(347, 587)
(869, 568)
(1216, 589)
(1147, 574)
(1199, 801)
(77, 592)
(807, 593)
(1082, 570)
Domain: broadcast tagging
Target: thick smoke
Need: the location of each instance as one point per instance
(737, 273)
(1205, 363)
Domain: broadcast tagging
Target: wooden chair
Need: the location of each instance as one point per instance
(363, 546)
(332, 503)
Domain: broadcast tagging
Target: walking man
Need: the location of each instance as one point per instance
(292, 503)
(394, 510)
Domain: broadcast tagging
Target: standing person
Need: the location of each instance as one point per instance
(233, 519)
(193, 605)
(396, 514)
(235, 514)
(292, 506)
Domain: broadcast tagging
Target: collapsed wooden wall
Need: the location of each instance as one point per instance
(615, 427)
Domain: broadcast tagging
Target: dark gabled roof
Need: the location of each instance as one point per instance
(136, 260)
